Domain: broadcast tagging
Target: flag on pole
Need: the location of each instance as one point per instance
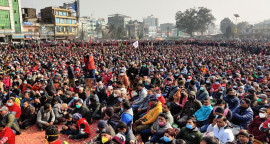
(136, 44)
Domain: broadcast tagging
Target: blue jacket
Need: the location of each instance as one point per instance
(242, 117)
(233, 102)
(127, 117)
(203, 113)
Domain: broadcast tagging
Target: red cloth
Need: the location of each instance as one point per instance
(7, 132)
(35, 87)
(254, 126)
(215, 87)
(15, 108)
(87, 127)
(57, 142)
(24, 86)
(162, 99)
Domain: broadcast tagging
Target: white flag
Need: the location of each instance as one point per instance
(136, 44)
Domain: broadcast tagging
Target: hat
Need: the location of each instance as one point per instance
(268, 90)
(76, 116)
(102, 124)
(109, 111)
(107, 130)
(263, 96)
(244, 133)
(4, 108)
(119, 139)
(251, 90)
(110, 88)
(192, 93)
(264, 110)
(153, 98)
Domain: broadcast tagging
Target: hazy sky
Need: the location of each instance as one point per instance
(253, 11)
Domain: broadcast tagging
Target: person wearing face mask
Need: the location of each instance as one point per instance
(106, 136)
(254, 126)
(215, 87)
(24, 86)
(202, 93)
(127, 132)
(190, 107)
(82, 128)
(190, 133)
(45, 117)
(158, 130)
(37, 86)
(13, 108)
(260, 103)
(101, 91)
(82, 109)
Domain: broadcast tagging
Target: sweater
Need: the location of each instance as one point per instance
(203, 113)
(152, 115)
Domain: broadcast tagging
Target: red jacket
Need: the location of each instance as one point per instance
(15, 108)
(87, 127)
(7, 132)
(215, 87)
(254, 126)
(24, 86)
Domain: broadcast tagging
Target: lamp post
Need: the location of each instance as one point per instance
(235, 30)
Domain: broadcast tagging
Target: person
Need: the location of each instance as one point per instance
(127, 115)
(119, 139)
(82, 127)
(222, 130)
(169, 137)
(52, 135)
(13, 108)
(112, 118)
(59, 112)
(101, 92)
(101, 124)
(242, 115)
(166, 110)
(203, 113)
(45, 117)
(6, 134)
(243, 137)
(143, 107)
(10, 120)
(82, 109)
(190, 134)
(67, 129)
(125, 130)
(261, 103)
(92, 103)
(202, 93)
(106, 136)
(142, 94)
(209, 140)
(71, 74)
(253, 127)
(190, 107)
(27, 117)
(149, 118)
(231, 99)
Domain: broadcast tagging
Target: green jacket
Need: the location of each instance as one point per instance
(12, 122)
(190, 136)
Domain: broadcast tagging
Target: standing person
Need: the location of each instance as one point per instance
(52, 135)
(89, 70)
(6, 134)
(71, 75)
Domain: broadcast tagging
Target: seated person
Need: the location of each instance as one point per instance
(124, 129)
(92, 103)
(72, 103)
(45, 117)
(244, 138)
(242, 115)
(169, 137)
(159, 129)
(106, 136)
(112, 118)
(261, 103)
(81, 109)
(203, 113)
(66, 129)
(127, 115)
(82, 127)
(52, 135)
(100, 126)
(253, 127)
(119, 138)
(26, 98)
(190, 134)
(13, 108)
(59, 112)
(6, 134)
(149, 118)
(10, 120)
(27, 117)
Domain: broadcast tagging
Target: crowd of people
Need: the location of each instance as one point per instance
(167, 92)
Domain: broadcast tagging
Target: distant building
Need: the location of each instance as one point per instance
(65, 24)
(28, 13)
(167, 29)
(118, 20)
(137, 29)
(151, 21)
(11, 21)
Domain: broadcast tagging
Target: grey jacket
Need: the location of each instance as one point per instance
(161, 129)
(142, 95)
(145, 103)
(57, 111)
(44, 117)
(201, 95)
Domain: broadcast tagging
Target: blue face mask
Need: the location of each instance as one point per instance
(75, 98)
(165, 139)
(201, 88)
(259, 100)
(217, 83)
(188, 126)
(122, 109)
(77, 106)
(120, 99)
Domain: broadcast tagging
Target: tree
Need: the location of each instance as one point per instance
(112, 30)
(120, 32)
(229, 32)
(98, 29)
(224, 24)
(205, 18)
(241, 26)
(187, 21)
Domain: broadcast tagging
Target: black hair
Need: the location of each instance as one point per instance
(126, 104)
(193, 119)
(247, 100)
(180, 141)
(68, 115)
(141, 85)
(192, 82)
(168, 105)
(222, 117)
(51, 133)
(26, 101)
(220, 101)
(46, 106)
(121, 125)
(3, 124)
(163, 115)
(210, 140)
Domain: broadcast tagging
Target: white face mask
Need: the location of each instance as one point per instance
(261, 115)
